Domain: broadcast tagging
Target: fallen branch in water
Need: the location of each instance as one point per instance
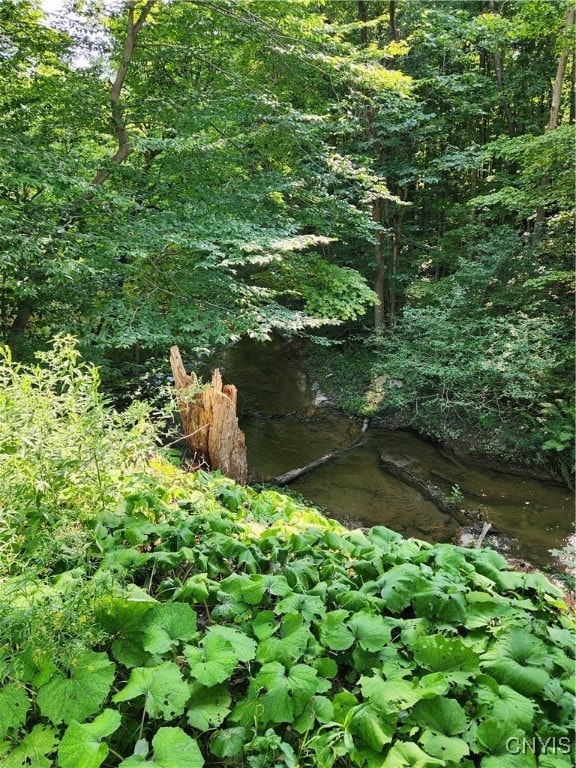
(294, 474)
(401, 470)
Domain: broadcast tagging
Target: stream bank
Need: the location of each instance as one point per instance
(288, 422)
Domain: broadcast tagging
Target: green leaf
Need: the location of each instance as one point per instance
(207, 707)
(289, 646)
(441, 603)
(213, 662)
(399, 585)
(264, 625)
(166, 625)
(81, 745)
(286, 695)
(494, 736)
(507, 704)
(441, 715)
(335, 632)
(309, 606)
(368, 724)
(444, 747)
(172, 748)
(448, 655)
(14, 705)
(319, 709)
(244, 646)
(408, 755)
(63, 699)
(389, 696)
(122, 617)
(228, 742)
(517, 660)
(244, 588)
(33, 750)
(372, 632)
(164, 690)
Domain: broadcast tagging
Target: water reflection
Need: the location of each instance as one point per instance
(532, 516)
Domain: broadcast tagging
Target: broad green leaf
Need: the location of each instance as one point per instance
(335, 632)
(389, 696)
(167, 625)
(214, 662)
(448, 655)
(448, 748)
(286, 695)
(63, 699)
(518, 659)
(440, 603)
(527, 680)
(264, 625)
(408, 755)
(372, 632)
(164, 690)
(34, 749)
(309, 606)
(14, 705)
(508, 760)
(207, 707)
(244, 646)
(122, 617)
(172, 748)
(441, 715)
(507, 704)
(495, 736)
(244, 588)
(34, 665)
(228, 742)
(319, 709)
(366, 722)
(325, 667)
(289, 646)
(82, 746)
(399, 585)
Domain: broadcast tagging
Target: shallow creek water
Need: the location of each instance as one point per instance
(288, 424)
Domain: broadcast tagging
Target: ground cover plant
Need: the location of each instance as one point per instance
(152, 617)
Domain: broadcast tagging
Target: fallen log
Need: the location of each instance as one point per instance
(294, 474)
(402, 470)
(209, 421)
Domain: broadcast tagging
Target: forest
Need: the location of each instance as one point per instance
(387, 185)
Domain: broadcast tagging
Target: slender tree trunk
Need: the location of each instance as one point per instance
(392, 20)
(363, 17)
(554, 117)
(559, 79)
(499, 71)
(572, 116)
(379, 277)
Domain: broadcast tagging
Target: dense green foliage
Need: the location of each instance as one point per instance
(152, 617)
(194, 172)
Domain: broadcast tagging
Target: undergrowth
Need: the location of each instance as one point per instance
(153, 618)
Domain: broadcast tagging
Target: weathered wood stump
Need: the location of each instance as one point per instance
(209, 421)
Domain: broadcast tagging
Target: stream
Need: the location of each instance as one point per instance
(288, 423)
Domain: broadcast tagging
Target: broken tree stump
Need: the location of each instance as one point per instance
(209, 421)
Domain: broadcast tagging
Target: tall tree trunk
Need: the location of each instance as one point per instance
(554, 117)
(363, 17)
(559, 79)
(379, 277)
(392, 20)
(499, 71)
